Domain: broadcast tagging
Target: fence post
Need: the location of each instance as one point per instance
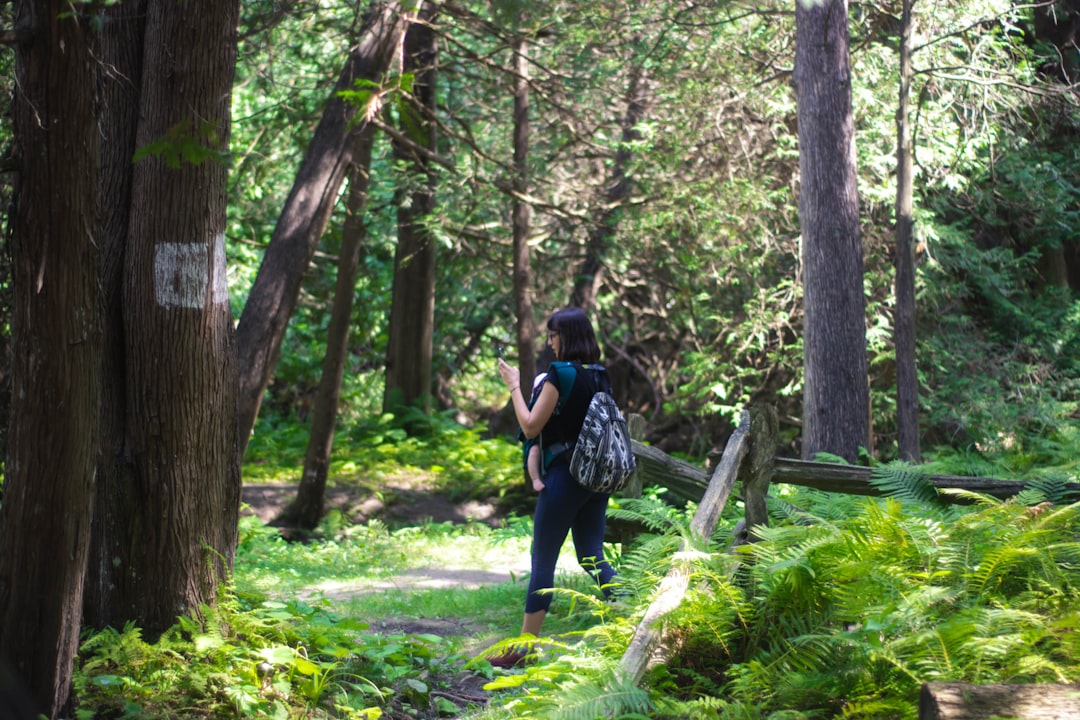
(756, 472)
(636, 425)
(648, 636)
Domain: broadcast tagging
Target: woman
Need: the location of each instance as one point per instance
(563, 505)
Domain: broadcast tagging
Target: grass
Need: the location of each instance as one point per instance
(341, 625)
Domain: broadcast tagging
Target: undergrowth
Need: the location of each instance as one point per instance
(843, 609)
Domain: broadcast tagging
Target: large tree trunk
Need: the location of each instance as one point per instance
(836, 394)
(412, 311)
(306, 510)
(48, 491)
(907, 379)
(618, 191)
(178, 328)
(521, 214)
(117, 504)
(306, 212)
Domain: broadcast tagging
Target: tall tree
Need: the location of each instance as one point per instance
(616, 192)
(306, 212)
(160, 348)
(306, 509)
(180, 356)
(115, 521)
(907, 379)
(48, 491)
(521, 212)
(412, 310)
(836, 394)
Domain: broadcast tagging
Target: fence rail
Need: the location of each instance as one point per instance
(688, 481)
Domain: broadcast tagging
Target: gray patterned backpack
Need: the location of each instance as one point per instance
(603, 459)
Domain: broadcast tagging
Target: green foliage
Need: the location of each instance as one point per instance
(847, 618)
(183, 143)
(252, 659)
(904, 483)
(462, 463)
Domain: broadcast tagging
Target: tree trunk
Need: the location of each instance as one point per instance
(412, 310)
(117, 510)
(522, 213)
(306, 510)
(181, 363)
(618, 192)
(907, 378)
(306, 212)
(836, 394)
(48, 490)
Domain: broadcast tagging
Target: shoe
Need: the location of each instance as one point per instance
(511, 658)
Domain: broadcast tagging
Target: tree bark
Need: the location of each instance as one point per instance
(306, 212)
(836, 394)
(48, 491)
(306, 510)
(181, 362)
(412, 310)
(907, 378)
(117, 503)
(522, 214)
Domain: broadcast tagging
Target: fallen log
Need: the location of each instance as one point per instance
(964, 701)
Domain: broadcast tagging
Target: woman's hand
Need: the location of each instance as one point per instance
(510, 375)
(538, 484)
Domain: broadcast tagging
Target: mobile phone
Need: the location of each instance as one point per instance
(499, 352)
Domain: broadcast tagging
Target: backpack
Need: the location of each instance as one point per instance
(603, 459)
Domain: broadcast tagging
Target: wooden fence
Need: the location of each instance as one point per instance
(749, 456)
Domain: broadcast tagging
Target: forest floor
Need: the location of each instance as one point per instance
(409, 502)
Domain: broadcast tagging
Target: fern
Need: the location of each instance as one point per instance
(1051, 489)
(900, 480)
(588, 700)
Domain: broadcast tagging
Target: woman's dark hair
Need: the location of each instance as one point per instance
(577, 341)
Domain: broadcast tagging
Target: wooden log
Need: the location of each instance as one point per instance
(964, 701)
(688, 482)
(655, 467)
(646, 642)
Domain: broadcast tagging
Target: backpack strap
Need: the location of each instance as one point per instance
(565, 376)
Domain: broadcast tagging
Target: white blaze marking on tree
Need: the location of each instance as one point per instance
(184, 275)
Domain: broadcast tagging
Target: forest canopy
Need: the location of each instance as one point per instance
(689, 110)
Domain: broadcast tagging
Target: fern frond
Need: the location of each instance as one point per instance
(904, 482)
(789, 512)
(971, 497)
(588, 701)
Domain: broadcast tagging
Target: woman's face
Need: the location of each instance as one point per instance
(553, 341)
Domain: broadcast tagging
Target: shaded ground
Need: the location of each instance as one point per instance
(403, 502)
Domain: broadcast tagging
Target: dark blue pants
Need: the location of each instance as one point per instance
(565, 507)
